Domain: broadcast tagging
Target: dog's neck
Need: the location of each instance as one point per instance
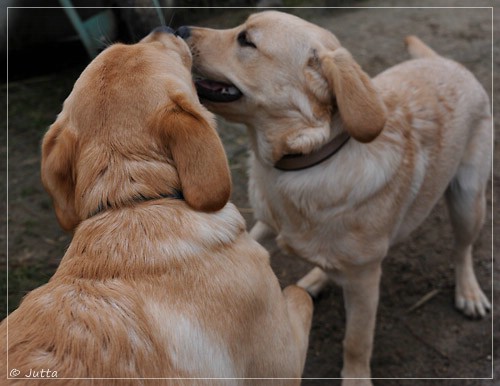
(293, 162)
(177, 195)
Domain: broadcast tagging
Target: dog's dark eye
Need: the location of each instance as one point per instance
(243, 40)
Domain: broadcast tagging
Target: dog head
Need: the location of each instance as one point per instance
(133, 127)
(287, 80)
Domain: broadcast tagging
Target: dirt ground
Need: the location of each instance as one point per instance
(434, 341)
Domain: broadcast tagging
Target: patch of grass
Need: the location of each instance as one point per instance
(45, 204)
(29, 191)
(18, 239)
(30, 224)
(21, 281)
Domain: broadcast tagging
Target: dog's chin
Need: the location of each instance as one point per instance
(214, 91)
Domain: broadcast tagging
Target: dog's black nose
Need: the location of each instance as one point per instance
(184, 32)
(163, 29)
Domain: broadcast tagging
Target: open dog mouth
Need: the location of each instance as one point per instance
(216, 91)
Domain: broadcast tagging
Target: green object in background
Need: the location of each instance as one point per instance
(93, 32)
(98, 30)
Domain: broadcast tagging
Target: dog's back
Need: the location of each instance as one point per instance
(144, 298)
(443, 113)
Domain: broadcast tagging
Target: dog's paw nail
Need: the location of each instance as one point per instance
(460, 303)
(474, 308)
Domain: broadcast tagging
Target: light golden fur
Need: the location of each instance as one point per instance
(419, 130)
(151, 286)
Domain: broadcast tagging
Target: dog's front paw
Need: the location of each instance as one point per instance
(470, 299)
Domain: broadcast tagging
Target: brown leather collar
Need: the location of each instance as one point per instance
(290, 162)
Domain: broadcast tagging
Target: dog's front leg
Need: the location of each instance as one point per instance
(260, 231)
(314, 281)
(361, 293)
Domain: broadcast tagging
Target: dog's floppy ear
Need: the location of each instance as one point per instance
(198, 155)
(57, 172)
(360, 106)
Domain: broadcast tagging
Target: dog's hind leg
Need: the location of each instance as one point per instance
(466, 201)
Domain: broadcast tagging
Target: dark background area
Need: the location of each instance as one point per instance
(432, 341)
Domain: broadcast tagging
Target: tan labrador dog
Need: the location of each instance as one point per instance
(344, 166)
(161, 279)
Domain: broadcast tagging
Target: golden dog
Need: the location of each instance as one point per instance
(344, 166)
(161, 279)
